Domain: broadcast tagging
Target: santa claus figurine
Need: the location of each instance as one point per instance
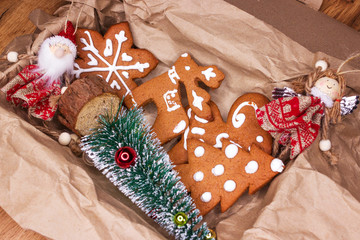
(36, 85)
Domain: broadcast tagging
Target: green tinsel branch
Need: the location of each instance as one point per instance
(151, 183)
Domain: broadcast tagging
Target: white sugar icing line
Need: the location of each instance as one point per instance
(218, 139)
(120, 38)
(200, 120)
(137, 66)
(198, 131)
(108, 51)
(186, 133)
(173, 75)
(236, 123)
(197, 100)
(208, 73)
(180, 126)
(93, 61)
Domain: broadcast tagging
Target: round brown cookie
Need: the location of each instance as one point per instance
(112, 58)
(164, 91)
(222, 175)
(241, 127)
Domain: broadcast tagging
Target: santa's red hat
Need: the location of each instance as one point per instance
(65, 37)
(69, 32)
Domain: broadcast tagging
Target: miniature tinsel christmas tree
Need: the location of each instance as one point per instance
(125, 150)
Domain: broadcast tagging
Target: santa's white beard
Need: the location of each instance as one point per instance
(52, 67)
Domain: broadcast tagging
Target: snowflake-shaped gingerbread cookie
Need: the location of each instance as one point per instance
(112, 58)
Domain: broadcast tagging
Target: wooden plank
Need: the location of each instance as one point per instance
(15, 22)
(10, 230)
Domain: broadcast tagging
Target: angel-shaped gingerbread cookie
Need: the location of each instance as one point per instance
(297, 115)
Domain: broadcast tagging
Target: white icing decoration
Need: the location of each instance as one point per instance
(218, 139)
(180, 127)
(197, 130)
(110, 68)
(187, 68)
(229, 185)
(93, 61)
(125, 74)
(108, 51)
(249, 148)
(201, 140)
(201, 120)
(231, 151)
(259, 139)
(218, 170)
(198, 176)
(208, 73)
(173, 75)
(197, 100)
(277, 165)
(251, 167)
(99, 75)
(235, 143)
(199, 151)
(171, 105)
(184, 55)
(189, 113)
(126, 58)
(238, 119)
(186, 133)
(206, 197)
(115, 84)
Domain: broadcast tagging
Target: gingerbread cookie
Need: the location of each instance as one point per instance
(164, 91)
(241, 127)
(223, 175)
(112, 58)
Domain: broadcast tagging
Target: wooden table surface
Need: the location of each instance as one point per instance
(14, 22)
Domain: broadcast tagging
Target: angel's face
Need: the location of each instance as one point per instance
(329, 86)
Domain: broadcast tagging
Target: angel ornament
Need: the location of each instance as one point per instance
(297, 115)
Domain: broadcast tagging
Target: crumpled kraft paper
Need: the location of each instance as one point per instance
(46, 189)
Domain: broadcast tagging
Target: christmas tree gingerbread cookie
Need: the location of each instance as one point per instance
(241, 127)
(112, 58)
(164, 91)
(222, 175)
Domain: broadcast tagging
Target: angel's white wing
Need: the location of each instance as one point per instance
(348, 104)
(283, 92)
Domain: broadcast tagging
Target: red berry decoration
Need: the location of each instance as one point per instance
(125, 157)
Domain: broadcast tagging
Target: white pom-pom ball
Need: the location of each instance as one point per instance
(322, 64)
(64, 138)
(12, 56)
(63, 89)
(325, 145)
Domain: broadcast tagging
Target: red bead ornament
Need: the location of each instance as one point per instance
(125, 157)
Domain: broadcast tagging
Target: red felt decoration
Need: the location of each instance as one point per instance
(69, 33)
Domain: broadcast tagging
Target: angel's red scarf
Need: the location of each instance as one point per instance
(296, 120)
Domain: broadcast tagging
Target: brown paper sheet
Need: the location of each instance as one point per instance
(46, 189)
